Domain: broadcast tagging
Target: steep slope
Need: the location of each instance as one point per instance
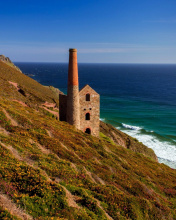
(8, 62)
(126, 141)
(50, 170)
(16, 85)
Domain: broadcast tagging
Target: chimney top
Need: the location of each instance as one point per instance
(73, 68)
(72, 50)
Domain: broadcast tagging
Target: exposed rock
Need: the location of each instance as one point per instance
(53, 171)
(9, 62)
(55, 90)
(120, 138)
(5, 59)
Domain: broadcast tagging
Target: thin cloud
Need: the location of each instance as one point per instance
(118, 50)
(102, 50)
(83, 48)
(166, 21)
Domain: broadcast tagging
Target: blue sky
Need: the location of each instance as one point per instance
(103, 31)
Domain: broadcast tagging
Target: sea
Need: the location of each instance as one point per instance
(138, 99)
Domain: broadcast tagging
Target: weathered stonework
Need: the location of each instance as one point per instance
(73, 114)
(81, 109)
(91, 107)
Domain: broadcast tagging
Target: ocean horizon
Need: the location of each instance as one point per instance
(138, 99)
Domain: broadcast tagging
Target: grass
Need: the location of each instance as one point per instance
(35, 92)
(108, 139)
(42, 156)
(134, 186)
(5, 214)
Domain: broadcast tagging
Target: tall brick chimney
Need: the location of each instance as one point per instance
(73, 108)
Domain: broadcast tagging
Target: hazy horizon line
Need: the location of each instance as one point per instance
(88, 62)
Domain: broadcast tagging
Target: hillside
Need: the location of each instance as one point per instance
(50, 170)
(118, 137)
(8, 62)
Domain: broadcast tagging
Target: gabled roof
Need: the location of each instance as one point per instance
(88, 87)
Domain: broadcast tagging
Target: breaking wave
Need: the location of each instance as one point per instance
(164, 149)
(131, 127)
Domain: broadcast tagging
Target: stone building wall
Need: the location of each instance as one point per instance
(81, 109)
(73, 114)
(92, 107)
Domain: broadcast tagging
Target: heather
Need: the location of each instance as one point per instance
(50, 170)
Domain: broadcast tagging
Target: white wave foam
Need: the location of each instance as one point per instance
(131, 127)
(163, 150)
(102, 119)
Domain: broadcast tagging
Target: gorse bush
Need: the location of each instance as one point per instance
(53, 171)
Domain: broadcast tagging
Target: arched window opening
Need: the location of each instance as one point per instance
(88, 131)
(87, 97)
(87, 116)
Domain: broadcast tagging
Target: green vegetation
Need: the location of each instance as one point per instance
(29, 91)
(108, 139)
(125, 140)
(53, 171)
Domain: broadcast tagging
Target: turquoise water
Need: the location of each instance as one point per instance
(139, 99)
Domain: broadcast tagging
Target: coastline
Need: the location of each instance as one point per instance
(163, 149)
(135, 95)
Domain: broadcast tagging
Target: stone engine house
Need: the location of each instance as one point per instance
(89, 110)
(79, 108)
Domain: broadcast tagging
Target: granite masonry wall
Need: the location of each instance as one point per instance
(73, 109)
(73, 115)
(81, 109)
(91, 107)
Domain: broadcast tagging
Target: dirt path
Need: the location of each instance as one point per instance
(6, 203)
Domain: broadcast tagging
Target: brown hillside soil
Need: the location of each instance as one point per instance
(7, 204)
(22, 103)
(53, 171)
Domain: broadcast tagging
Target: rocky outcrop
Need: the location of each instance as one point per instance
(5, 59)
(120, 138)
(55, 90)
(53, 171)
(9, 62)
(116, 136)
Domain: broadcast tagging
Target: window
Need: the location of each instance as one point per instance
(87, 116)
(88, 131)
(87, 97)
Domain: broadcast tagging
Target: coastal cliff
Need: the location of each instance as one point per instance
(122, 139)
(50, 170)
(5, 59)
(8, 62)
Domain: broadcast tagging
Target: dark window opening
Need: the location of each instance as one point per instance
(84, 109)
(87, 116)
(87, 97)
(90, 108)
(88, 131)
